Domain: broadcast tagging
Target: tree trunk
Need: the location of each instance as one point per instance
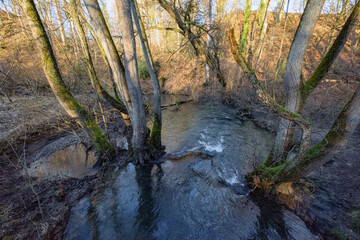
(278, 10)
(144, 35)
(246, 26)
(340, 132)
(92, 73)
(293, 72)
(155, 138)
(332, 54)
(67, 101)
(102, 31)
(137, 113)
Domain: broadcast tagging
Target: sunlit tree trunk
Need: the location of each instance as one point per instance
(67, 101)
(131, 72)
(92, 73)
(293, 72)
(107, 43)
(155, 138)
(244, 35)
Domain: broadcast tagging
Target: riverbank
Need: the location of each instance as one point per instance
(326, 199)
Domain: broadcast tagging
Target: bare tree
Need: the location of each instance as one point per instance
(92, 73)
(137, 110)
(185, 23)
(155, 138)
(52, 72)
(293, 72)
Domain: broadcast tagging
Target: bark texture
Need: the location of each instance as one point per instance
(137, 113)
(293, 72)
(107, 43)
(92, 73)
(67, 101)
(155, 138)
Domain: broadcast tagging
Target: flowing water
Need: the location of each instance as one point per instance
(201, 193)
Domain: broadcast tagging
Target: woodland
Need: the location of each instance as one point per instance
(197, 109)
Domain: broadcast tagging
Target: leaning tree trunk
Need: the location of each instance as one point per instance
(155, 138)
(137, 114)
(331, 55)
(340, 132)
(92, 73)
(268, 169)
(52, 72)
(107, 43)
(293, 72)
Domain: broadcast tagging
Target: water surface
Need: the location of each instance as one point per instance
(201, 196)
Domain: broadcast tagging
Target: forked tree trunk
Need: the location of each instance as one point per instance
(67, 101)
(107, 43)
(293, 72)
(155, 138)
(340, 132)
(207, 57)
(92, 73)
(137, 114)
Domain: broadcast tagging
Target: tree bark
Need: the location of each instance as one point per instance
(332, 54)
(155, 138)
(137, 115)
(244, 35)
(102, 31)
(67, 101)
(293, 72)
(265, 98)
(92, 73)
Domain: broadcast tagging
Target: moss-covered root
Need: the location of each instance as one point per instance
(155, 137)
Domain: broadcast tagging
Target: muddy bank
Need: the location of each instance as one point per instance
(38, 206)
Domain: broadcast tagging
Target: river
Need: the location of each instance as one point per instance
(198, 192)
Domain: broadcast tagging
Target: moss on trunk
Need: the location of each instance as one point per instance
(52, 72)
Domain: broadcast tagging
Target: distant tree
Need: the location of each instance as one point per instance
(192, 30)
